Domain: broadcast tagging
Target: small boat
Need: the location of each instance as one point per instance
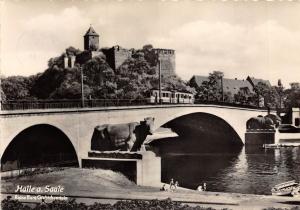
(286, 188)
(273, 146)
(267, 172)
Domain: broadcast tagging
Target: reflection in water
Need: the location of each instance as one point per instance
(245, 170)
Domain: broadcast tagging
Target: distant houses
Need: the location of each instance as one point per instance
(233, 87)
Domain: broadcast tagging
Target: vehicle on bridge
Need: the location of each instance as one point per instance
(170, 97)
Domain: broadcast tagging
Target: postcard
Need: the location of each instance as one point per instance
(150, 104)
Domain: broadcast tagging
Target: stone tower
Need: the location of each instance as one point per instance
(167, 59)
(91, 40)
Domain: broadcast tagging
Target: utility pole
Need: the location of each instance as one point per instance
(222, 89)
(159, 78)
(82, 91)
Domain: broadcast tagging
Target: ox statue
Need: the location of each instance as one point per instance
(128, 136)
(260, 122)
(276, 119)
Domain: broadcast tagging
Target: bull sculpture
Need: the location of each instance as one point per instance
(261, 122)
(126, 137)
(276, 119)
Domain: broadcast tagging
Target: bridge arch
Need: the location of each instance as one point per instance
(204, 126)
(39, 145)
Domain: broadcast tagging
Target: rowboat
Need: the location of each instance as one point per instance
(286, 188)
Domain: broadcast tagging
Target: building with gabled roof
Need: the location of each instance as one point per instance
(229, 85)
(255, 81)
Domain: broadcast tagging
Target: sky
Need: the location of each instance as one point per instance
(239, 38)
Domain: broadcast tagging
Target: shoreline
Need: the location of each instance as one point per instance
(89, 186)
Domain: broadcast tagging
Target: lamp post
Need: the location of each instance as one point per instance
(222, 89)
(82, 91)
(159, 78)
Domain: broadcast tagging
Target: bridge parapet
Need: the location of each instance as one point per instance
(78, 123)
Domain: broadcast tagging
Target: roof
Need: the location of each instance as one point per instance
(234, 85)
(255, 81)
(229, 85)
(200, 79)
(91, 32)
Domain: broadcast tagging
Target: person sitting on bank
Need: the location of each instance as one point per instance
(199, 188)
(172, 185)
(163, 188)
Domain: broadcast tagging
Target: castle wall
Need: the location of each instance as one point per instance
(116, 56)
(120, 56)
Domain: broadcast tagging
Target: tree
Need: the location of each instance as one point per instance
(266, 96)
(215, 90)
(244, 96)
(292, 96)
(134, 77)
(49, 81)
(17, 87)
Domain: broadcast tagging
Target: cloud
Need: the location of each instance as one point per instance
(265, 50)
(41, 37)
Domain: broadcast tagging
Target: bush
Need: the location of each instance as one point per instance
(167, 204)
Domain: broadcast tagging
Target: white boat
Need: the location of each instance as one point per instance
(286, 188)
(273, 146)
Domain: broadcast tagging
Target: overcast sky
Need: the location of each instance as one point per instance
(260, 39)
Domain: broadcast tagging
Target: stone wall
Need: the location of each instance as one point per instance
(167, 59)
(116, 56)
(87, 55)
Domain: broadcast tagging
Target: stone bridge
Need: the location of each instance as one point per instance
(76, 126)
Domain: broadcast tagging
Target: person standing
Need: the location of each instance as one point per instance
(204, 186)
(176, 185)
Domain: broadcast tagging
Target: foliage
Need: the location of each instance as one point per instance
(131, 80)
(175, 83)
(292, 96)
(270, 95)
(244, 96)
(275, 208)
(136, 76)
(167, 204)
(210, 90)
(150, 56)
(49, 81)
(100, 78)
(17, 87)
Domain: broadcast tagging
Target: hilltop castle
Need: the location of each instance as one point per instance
(116, 55)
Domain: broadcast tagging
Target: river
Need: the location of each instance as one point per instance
(247, 169)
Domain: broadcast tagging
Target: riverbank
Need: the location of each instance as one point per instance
(105, 186)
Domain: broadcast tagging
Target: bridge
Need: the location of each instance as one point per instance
(70, 130)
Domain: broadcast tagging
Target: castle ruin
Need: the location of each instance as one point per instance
(116, 55)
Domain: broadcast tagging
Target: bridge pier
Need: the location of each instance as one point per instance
(144, 168)
(260, 137)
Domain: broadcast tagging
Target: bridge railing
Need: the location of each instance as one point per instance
(62, 104)
(232, 104)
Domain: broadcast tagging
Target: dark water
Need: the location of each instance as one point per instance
(244, 170)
